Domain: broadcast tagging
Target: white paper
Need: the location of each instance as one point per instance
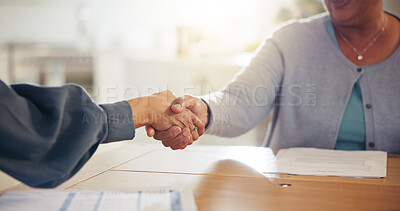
(324, 162)
(145, 200)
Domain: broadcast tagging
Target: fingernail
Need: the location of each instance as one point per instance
(186, 133)
(178, 106)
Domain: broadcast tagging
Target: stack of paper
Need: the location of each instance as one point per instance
(311, 161)
(168, 200)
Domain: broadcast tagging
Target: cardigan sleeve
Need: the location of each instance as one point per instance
(248, 98)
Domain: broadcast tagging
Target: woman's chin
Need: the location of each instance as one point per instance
(338, 4)
(343, 17)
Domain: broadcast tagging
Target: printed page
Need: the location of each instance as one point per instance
(312, 161)
(145, 200)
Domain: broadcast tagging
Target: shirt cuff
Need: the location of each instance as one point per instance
(206, 99)
(119, 120)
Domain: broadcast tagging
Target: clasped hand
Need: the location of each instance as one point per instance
(177, 122)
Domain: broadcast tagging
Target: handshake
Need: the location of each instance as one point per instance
(177, 122)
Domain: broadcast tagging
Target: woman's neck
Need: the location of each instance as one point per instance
(368, 43)
(362, 32)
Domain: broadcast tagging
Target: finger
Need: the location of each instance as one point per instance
(188, 140)
(181, 103)
(201, 127)
(189, 126)
(150, 131)
(178, 105)
(167, 135)
(186, 120)
(181, 145)
(195, 135)
(178, 139)
(194, 124)
(191, 140)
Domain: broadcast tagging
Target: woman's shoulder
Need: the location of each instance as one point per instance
(300, 32)
(309, 24)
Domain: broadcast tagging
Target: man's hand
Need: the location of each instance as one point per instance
(171, 137)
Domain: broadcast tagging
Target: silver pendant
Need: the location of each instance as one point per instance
(359, 57)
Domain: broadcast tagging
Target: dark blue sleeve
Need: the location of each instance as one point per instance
(48, 133)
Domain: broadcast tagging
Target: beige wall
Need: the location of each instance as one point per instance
(3, 64)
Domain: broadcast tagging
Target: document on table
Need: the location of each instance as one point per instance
(324, 162)
(146, 200)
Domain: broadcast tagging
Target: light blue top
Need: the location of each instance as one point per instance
(302, 77)
(352, 130)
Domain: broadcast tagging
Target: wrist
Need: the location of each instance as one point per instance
(140, 112)
(207, 113)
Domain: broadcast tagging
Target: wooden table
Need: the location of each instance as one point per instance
(228, 178)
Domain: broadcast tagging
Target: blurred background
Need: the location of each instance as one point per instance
(128, 48)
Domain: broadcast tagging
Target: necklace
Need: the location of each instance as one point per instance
(360, 53)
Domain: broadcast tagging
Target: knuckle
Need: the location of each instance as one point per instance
(192, 127)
